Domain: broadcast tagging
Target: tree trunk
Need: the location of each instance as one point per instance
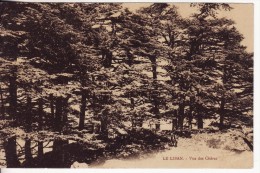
(192, 100)
(103, 126)
(11, 153)
(154, 67)
(60, 153)
(175, 120)
(13, 93)
(190, 115)
(82, 110)
(28, 152)
(52, 110)
(200, 120)
(2, 111)
(181, 114)
(65, 110)
(40, 150)
(154, 96)
(58, 114)
(222, 104)
(40, 102)
(132, 108)
(94, 104)
(157, 113)
(107, 58)
(222, 113)
(199, 115)
(130, 58)
(29, 115)
(132, 103)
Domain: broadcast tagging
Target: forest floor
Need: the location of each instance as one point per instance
(207, 148)
(203, 150)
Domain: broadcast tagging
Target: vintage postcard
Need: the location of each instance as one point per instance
(126, 85)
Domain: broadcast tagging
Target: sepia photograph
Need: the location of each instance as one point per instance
(126, 85)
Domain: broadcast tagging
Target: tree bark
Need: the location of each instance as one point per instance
(200, 121)
(60, 152)
(222, 104)
(192, 100)
(132, 103)
(28, 152)
(94, 104)
(155, 92)
(58, 114)
(157, 113)
(82, 110)
(65, 110)
(52, 110)
(13, 93)
(40, 122)
(199, 116)
(130, 58)
(2, 111)
(103, 126)
(107, 58)
(40, 150)
(29, 115)
(181, 113)
(11, 153)
(222, 113)
(132, 108)
(175, 120)
(154, 67)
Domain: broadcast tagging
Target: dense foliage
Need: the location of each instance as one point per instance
(101, 67)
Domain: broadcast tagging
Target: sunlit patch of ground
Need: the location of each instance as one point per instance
(214, 150)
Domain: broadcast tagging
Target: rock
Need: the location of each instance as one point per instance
(79, 165)
(250, 137)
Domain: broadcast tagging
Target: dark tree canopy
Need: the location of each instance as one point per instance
(99, 68)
